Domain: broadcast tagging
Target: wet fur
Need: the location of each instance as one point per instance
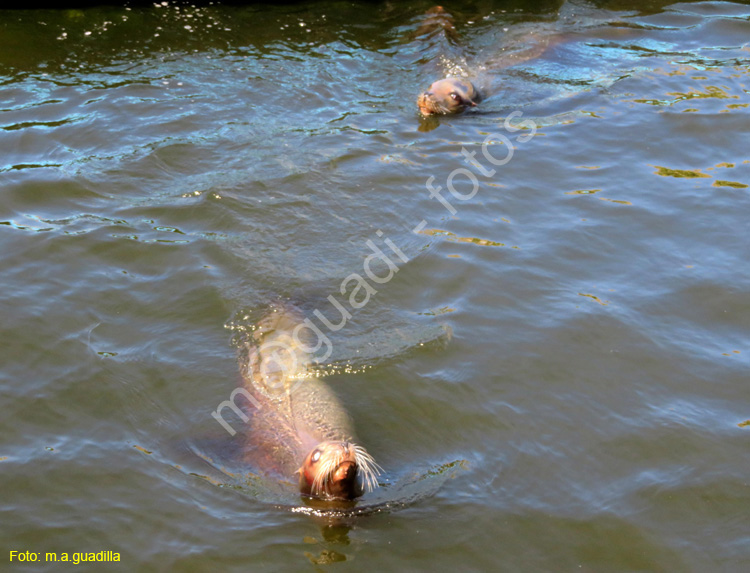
(450, 95)
(334, 455)
(298, 414)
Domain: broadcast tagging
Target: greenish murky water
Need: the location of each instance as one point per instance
(554, 378)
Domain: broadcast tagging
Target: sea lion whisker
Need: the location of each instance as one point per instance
(368, 467)
(321, 476)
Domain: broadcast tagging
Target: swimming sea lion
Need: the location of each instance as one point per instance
(450, 95)
(299, 426)
(453, 95)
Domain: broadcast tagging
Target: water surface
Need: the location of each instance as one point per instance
(170, 170)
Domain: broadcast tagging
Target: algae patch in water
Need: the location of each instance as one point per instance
(733, 184)
(688, 173)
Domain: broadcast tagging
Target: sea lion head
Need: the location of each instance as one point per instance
(450, 95)
(338, 470)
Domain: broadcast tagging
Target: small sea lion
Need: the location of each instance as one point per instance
(453, 95)
(450, 95)
(299, 429)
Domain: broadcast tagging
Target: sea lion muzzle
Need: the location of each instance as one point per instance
(332, 470)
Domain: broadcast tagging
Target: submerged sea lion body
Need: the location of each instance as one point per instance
(437, 21)
(300, 430)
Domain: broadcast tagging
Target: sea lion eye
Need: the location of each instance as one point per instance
(455, 97)
(316, 456)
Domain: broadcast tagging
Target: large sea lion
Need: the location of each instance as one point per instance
(299, 429)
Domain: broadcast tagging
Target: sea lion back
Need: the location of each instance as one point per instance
(300, 426)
